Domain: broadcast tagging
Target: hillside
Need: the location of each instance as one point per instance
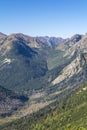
(71, 114)
(19, 63)
(46, 69)
(10, 102)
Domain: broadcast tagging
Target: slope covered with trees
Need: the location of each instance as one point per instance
(70, 114)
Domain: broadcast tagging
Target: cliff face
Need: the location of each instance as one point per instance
(72, 69)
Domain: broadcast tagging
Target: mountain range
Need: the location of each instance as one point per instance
(39, 73)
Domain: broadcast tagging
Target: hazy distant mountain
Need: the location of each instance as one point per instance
(50, 41)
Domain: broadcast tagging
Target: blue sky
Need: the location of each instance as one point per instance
(43, 17)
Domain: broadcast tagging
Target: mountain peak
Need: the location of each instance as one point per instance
(2, 35)
(76, 37)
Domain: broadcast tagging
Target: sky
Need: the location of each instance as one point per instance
(60, 18)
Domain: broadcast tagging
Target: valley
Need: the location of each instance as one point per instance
(36, 75)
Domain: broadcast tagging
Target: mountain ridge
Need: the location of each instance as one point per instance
(46, 69)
